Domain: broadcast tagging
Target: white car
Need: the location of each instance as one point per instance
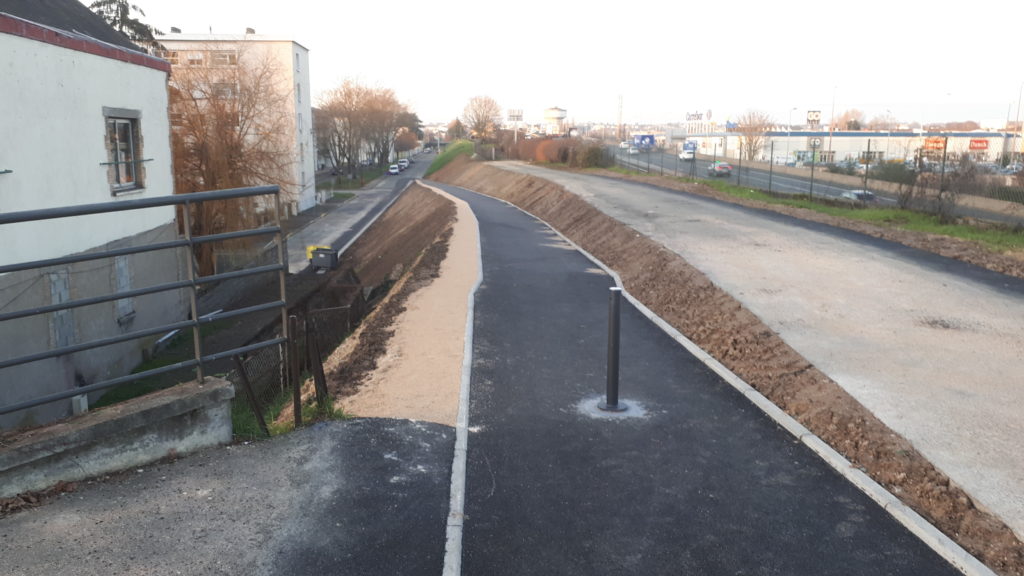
(403, 164)
(624, 145)
(394, 169)
(633, 150)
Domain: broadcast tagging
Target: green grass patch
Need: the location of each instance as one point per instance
(345, 183)
(246, 427)
(342, 196)
(451, 152)
(179, 349)
(995, 238)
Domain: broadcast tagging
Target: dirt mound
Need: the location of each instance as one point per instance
(719, 324)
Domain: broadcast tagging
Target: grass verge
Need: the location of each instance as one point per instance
(452, 151)
(995, 238)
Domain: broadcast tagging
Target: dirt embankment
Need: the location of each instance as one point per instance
(406, 246)
(719, 324)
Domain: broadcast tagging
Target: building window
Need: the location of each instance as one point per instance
(298, 63)
(195, 58)
(223, 58)
(298, 92)
(124, 149)
(170, 55)
(225, 90)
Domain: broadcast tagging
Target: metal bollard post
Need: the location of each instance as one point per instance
(611, 402)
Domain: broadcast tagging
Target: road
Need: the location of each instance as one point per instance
(931, 346)
(661, 163)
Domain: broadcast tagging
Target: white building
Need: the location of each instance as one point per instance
(292, 66)
(84, 121)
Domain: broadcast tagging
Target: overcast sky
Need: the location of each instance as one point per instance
(923, 61)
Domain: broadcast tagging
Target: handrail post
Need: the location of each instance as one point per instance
(282, 259)
(193, 290)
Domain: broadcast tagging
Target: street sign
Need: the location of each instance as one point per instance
(644, 141)
(979, 144)
(934, 143)
(815, 142)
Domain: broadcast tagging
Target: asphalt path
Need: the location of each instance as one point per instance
(363, 496)
(691, 479)
(931, 345)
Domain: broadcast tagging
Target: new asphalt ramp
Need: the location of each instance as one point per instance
(691, 479)
(362, 496)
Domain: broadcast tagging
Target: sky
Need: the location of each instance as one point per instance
(914, 60)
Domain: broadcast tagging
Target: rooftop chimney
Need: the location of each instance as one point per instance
(250, 31)
(175, 30)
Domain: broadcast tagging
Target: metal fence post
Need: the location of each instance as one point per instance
(293, 364)
(611, 402)
(193, 292)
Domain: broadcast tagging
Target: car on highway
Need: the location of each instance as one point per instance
(719, 168)
(624, 145)
(633, 150)
(394, 169)
(861, 196)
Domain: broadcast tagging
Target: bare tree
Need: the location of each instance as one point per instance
(851, 119)
(382, 113)
(753, 126)
(343, 125)
(481, 116)
(229, 129)
(456, 129)
(883, 122)
(406, 140)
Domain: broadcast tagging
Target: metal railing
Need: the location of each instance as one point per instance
(193, 282)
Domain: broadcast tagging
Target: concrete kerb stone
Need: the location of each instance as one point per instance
(914, 522)
(177, 420)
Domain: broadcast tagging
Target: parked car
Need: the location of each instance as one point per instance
(394, 169)
(720, 168)
(863, 196)
(403, 164)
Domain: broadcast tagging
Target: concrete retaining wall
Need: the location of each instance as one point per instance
(178, 420)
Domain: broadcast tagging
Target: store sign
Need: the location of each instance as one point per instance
(979, 144)
(934, 143)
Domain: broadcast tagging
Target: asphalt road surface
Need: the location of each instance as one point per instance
(932, 346)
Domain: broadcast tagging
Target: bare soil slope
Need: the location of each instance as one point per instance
(719, 324)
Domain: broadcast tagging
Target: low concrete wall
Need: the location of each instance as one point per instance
(178, 420)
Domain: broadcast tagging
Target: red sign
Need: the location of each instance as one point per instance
(934, 143)
(979, 144)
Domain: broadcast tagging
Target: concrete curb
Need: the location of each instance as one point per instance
(915, 523)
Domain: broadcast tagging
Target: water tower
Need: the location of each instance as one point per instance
(554, 120)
